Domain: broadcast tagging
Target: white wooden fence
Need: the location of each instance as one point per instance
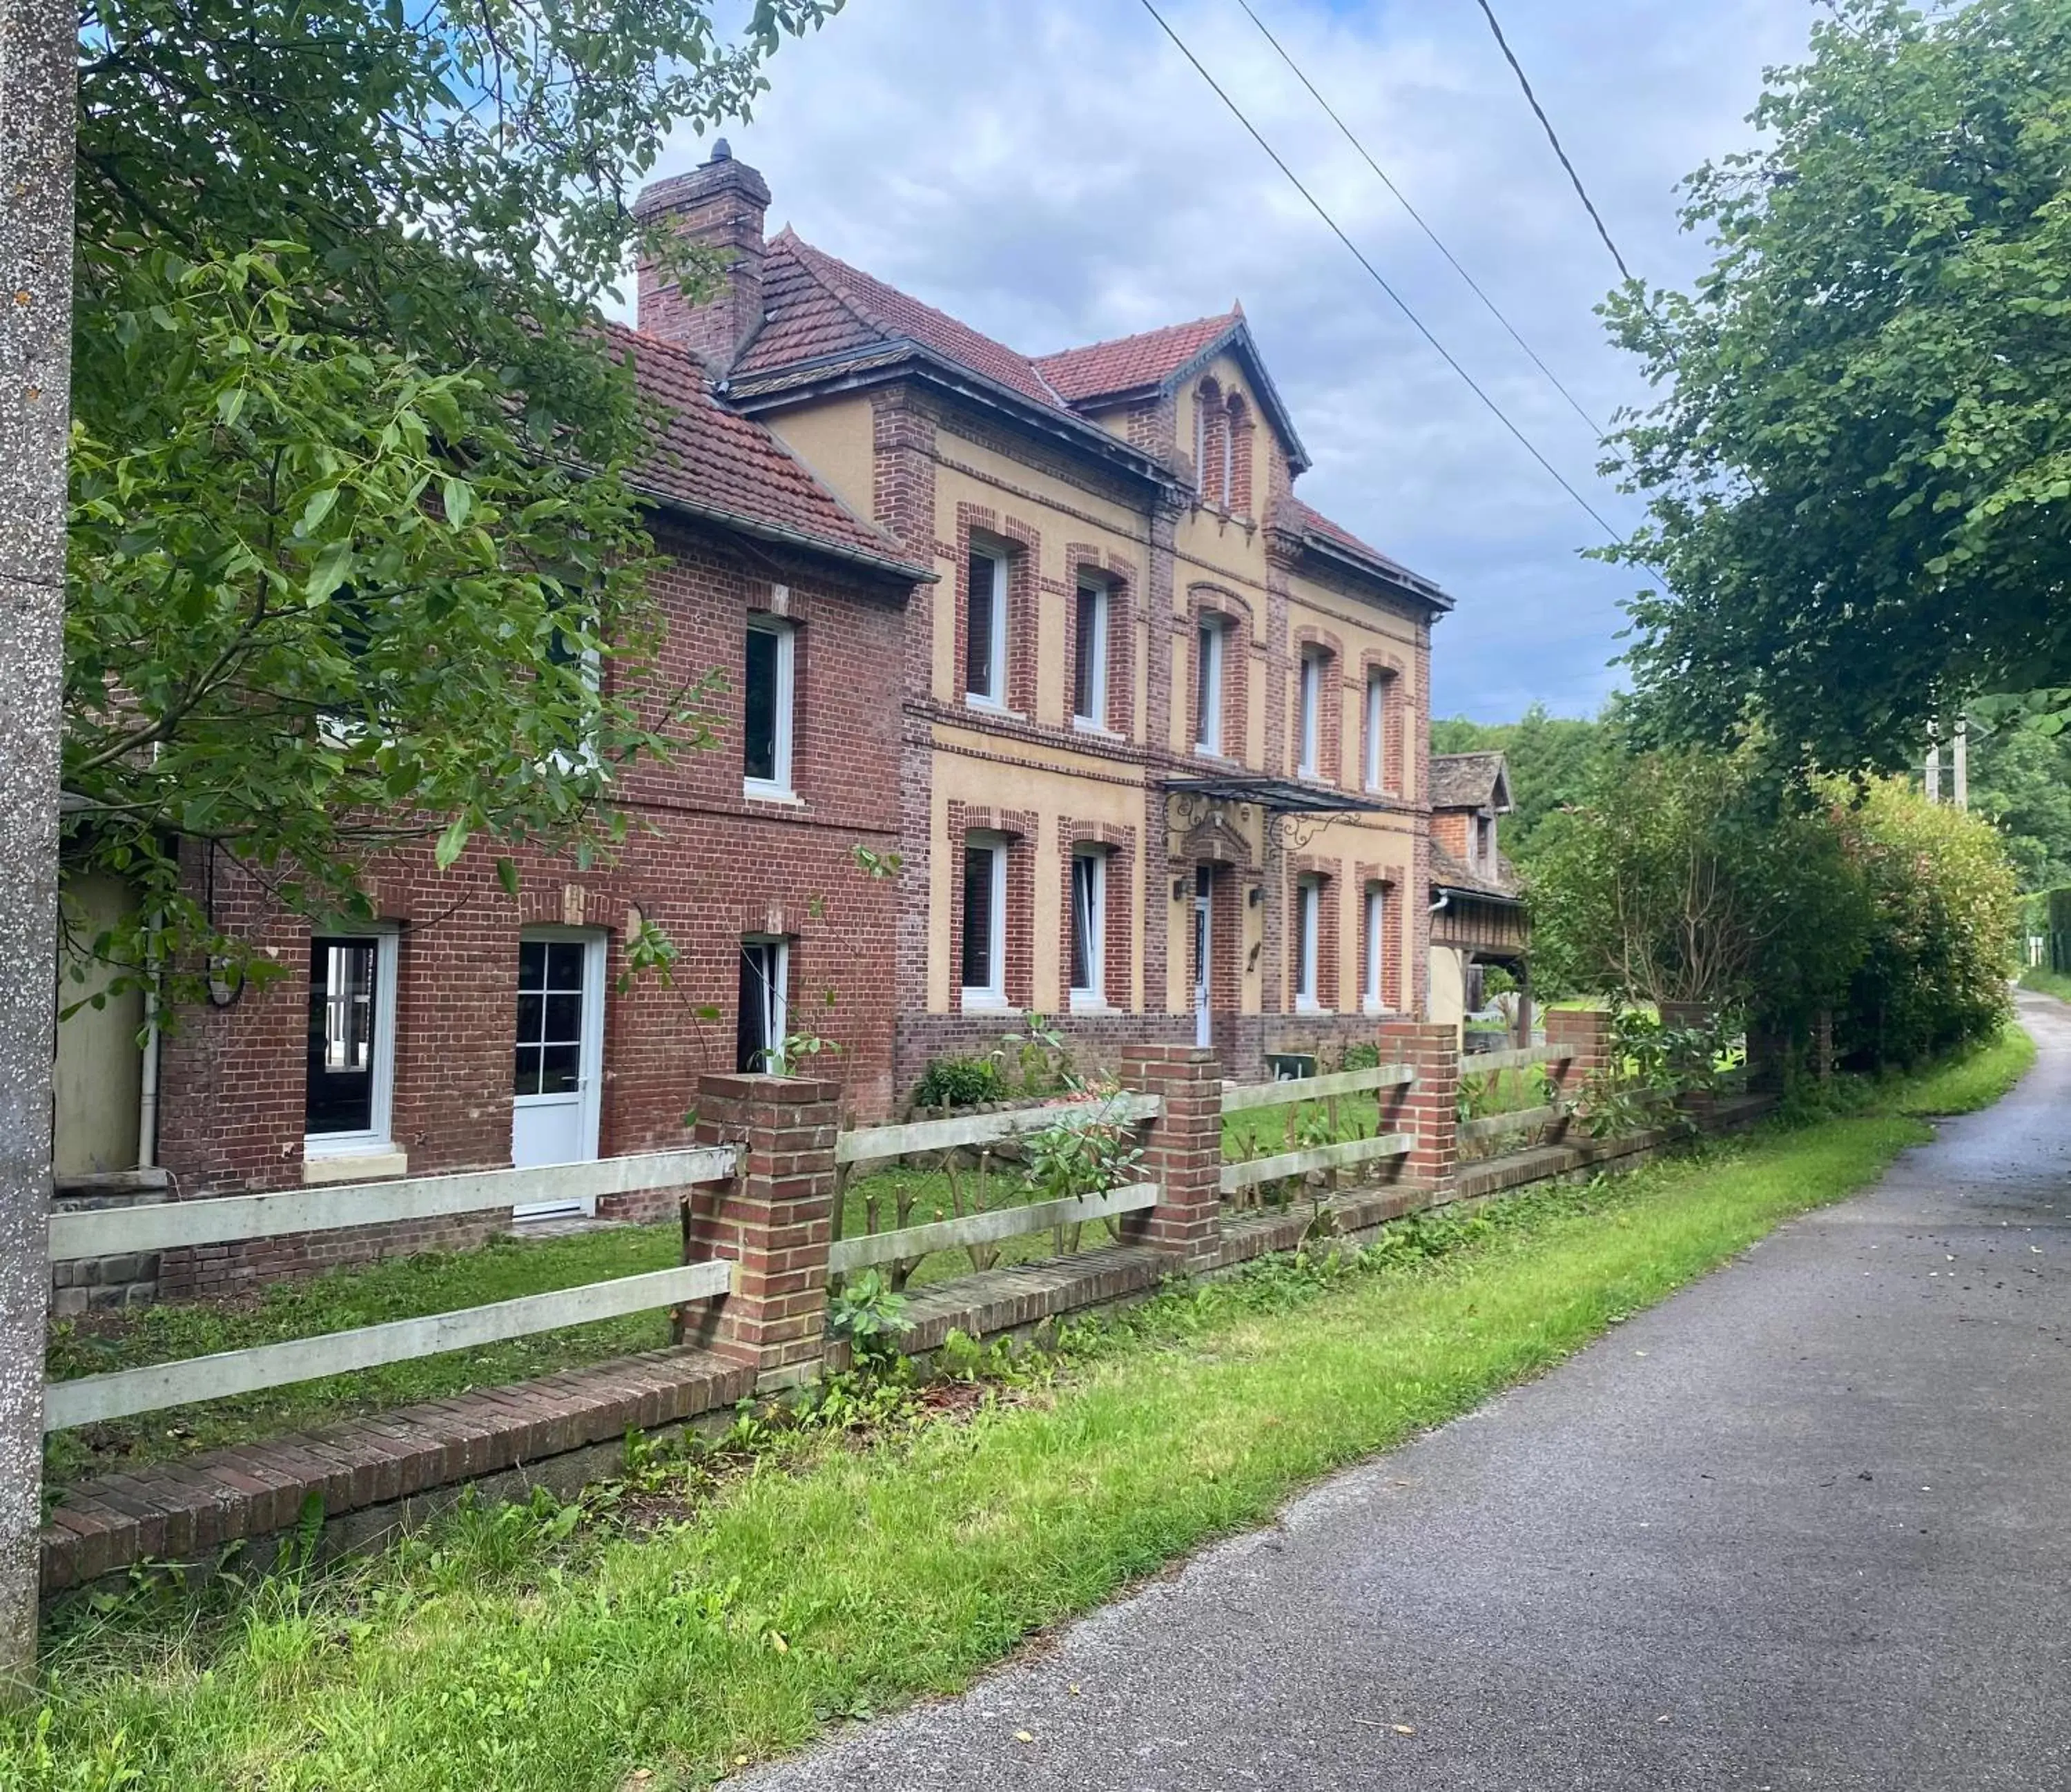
(116, 1395)
(1344, 1155)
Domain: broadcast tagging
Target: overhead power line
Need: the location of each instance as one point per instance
(1403, 200)
(1379, 279)
(1546, 124)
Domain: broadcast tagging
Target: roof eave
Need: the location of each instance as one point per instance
(1402, 583)
(763, 530)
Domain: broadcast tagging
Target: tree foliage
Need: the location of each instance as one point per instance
(354, 553)
(1691, 877)
(1859, 479)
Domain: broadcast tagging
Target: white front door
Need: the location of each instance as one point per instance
(559, 1059)
(1204, 1020)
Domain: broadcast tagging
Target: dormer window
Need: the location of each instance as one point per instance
(1485, 843)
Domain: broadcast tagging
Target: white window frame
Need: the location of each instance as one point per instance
(1210, 645)
(1309, 713)
(991, 994)
(380, 1135)
(777, 1013)
(1093, 995)
(1376, 719)
(1308, 936)
(1094, 720)
(996, 663)
(1374, 995)
(778, 788)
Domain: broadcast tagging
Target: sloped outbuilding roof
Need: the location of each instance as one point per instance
(1470, 780)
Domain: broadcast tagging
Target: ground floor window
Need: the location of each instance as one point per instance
(351, 1041)
(765, 971)
(1089, 928)
(984, 969)
(1308, 926)
(1376, 955)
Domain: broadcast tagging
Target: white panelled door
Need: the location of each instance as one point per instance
(559, 1069)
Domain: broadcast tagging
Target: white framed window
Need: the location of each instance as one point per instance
(351, 1082)
(984, 970)
(768, 686)
(1374, 965)
(1089, 623)
(763, 1022)
(984, 629)
(1309, 715)
(1089, 928)
(1376, 720)
(1210, 640)
(1308, 926)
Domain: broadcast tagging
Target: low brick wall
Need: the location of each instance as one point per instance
(101, 1283)
(203, 1271)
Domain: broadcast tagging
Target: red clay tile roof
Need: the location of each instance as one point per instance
(1128, 363)
(820, 306)
(717, 464)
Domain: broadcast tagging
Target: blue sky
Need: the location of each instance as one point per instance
(1054, 173)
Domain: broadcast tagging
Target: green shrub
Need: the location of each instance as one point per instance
(960, 1083)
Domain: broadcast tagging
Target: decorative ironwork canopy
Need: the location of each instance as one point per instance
(1293, 807)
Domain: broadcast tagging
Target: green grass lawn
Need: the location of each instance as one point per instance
(513, 1651)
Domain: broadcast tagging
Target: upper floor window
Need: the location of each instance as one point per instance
(984, 969)
(766, 720)
(1089, 927)
(1089, 654)
(984, 629)
(1210, 640)
(1309, 715)
(1485, 843)
(1376, 722)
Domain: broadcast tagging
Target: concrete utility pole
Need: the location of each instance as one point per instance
(38, 123)
(1960, 754)
(1931, 777)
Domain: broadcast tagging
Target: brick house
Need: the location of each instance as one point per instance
(1148, 732)
(1162, 726)
(1478, 915)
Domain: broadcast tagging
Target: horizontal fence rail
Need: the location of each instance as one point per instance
(167, 1225)
(1239, 1176)
(988, 1227)
(1473, 1064)
(1520, 1120)
(115, 1396)
(1316, 1089)
(870, 1142)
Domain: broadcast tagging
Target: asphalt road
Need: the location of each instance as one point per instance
(1808, 1524)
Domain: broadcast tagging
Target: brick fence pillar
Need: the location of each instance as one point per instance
(1183, 1152)
(1586, 1032)
(775, 1219)
(1427, 1109)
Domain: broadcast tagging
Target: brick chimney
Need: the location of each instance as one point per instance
(720, 205)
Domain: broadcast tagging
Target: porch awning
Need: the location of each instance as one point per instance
(1277, 796)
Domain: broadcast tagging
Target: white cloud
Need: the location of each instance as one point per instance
(1056, 173)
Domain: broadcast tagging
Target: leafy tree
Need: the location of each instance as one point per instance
(1551, 758)
(2020, 779)
(1859, 480)
(355, 552)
